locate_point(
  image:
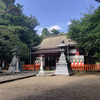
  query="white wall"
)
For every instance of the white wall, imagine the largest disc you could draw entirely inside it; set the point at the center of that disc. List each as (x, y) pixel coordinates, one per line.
(72, 50)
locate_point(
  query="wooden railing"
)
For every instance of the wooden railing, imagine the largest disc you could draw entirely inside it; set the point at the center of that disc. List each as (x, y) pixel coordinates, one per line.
(26, 67)
(86, 67)
(31, 67)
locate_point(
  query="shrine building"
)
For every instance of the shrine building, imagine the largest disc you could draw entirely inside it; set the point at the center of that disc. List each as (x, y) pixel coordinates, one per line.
(49, 48)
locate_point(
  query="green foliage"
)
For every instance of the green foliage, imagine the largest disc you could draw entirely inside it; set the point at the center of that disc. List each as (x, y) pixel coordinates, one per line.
(2, 8)
(8, 2)
(16, 29)
(98, 1)
(55, 32)
(45, 32)
(86, 32)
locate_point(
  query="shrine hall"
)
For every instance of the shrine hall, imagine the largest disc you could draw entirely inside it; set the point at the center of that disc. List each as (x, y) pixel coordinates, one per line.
(51, 52)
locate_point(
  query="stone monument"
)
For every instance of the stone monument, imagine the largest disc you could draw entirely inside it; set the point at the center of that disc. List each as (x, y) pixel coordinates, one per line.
(15, 65)
(62, 67)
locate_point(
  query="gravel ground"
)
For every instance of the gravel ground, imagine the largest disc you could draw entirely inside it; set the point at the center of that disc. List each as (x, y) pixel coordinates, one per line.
(77, 87)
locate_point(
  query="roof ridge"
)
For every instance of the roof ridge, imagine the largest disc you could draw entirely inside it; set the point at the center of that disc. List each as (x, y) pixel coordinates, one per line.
(54, 36)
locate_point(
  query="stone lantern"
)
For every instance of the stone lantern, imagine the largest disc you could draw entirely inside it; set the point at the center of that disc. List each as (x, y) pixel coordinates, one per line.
(15, 65)
(62, 67)
(41, 72)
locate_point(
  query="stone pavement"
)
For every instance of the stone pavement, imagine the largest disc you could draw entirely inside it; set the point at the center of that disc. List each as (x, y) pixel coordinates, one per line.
(4, 77)
(26, 74)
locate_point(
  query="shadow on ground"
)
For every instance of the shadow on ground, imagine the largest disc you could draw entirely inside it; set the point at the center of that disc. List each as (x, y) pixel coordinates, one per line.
(83, 90)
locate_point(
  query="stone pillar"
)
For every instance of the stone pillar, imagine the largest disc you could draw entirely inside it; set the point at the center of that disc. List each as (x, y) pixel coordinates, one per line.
(41, 63)
(41, 72)
(17, 67)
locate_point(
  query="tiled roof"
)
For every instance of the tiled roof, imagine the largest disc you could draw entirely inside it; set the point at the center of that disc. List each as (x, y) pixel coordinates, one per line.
(46, 51)
(53, 41)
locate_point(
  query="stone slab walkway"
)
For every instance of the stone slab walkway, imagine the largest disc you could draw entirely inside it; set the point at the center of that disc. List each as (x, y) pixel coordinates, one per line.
(25, 74)
(7, 78)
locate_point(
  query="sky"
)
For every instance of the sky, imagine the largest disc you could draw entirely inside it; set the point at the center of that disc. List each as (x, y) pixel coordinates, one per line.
(55, 13)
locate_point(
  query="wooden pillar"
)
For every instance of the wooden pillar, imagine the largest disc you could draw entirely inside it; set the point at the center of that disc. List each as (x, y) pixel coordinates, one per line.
(77, 51)
(56, 61)
(34, 63)
(68, 52)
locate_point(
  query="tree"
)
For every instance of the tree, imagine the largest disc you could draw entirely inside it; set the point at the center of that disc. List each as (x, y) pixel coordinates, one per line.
(8, 2)
(16, 29)
(86, 32)
(45, 32)
(97, 1)
(55, 32)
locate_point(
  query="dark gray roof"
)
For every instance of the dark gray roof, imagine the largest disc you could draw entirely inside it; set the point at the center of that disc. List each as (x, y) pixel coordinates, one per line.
(53, 42)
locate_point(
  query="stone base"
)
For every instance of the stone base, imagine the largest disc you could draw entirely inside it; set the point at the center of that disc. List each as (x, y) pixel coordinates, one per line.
(62, 69)
(41, 73)
(20, 67)
(11, 70)
(17, 71)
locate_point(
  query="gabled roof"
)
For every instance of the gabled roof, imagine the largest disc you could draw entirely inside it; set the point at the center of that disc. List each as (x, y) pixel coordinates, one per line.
(46, 51)
(53, 42)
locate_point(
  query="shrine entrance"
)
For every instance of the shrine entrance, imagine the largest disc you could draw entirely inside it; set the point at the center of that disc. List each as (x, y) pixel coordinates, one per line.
(50, 62)
(50, 58)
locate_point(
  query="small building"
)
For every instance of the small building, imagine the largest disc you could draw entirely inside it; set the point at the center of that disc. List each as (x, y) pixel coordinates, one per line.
(49, 48)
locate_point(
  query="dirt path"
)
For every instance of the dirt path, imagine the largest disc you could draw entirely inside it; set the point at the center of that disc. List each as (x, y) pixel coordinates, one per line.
(53, 88)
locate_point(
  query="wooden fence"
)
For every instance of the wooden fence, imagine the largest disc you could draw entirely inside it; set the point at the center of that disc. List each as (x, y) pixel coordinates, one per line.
(87, 67)
(31, 67)
(26, 67)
